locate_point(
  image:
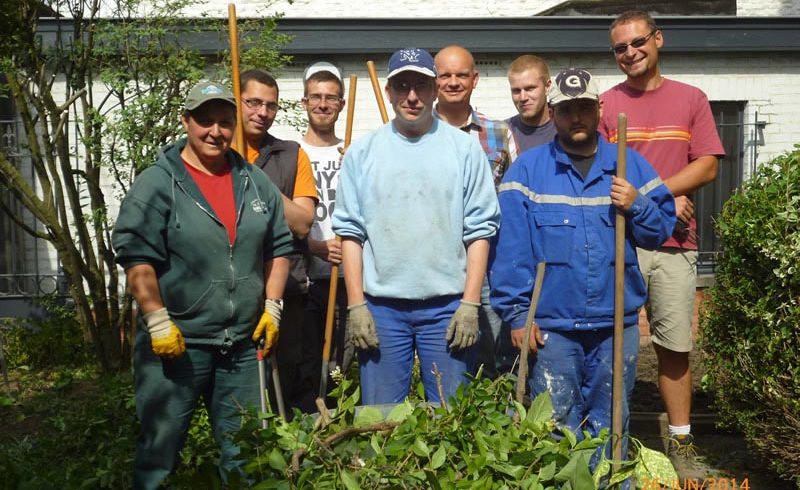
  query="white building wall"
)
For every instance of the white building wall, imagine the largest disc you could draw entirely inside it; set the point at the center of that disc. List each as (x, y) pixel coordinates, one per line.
(766, 83)
(440, 9)
(382, 8)
(759, 8)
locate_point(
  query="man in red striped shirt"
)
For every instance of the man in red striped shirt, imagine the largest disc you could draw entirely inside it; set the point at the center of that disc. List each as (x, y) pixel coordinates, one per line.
(671, 124)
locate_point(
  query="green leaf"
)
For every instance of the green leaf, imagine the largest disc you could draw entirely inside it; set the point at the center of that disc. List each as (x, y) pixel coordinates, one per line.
(349, 480)
(548, 472)
(367, 415)
(276, 460)
(420, 448)
(601, 471)
(375, 444)
(576, 473)
(438, 458)
(541, 410)
(513, 471)
(570, 436)
(430, 476)
(654, 466)
(400, 412)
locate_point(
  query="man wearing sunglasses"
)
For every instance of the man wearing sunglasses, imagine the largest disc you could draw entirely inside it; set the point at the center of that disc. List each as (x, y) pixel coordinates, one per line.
(670, 123)
(289, 168)
(323, 100)
(415, 207)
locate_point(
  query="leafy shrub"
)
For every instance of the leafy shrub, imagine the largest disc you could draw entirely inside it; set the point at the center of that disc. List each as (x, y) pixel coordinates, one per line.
(750, 334)
(75, 428)
(472, 444)
(54, 340)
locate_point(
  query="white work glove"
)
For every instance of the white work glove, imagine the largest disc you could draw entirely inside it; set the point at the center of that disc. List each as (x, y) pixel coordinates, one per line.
(362, 326)
(463, 328)
(166, 339)
(269, 325)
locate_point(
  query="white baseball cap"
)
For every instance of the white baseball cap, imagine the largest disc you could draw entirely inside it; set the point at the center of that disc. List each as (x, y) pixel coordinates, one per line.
(322, 66)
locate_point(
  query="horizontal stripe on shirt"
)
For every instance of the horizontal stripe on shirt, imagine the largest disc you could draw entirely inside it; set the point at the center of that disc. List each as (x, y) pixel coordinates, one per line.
(571, 200)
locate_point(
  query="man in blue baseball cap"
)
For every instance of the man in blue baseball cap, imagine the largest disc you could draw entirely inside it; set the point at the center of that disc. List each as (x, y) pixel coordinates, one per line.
(416, 208)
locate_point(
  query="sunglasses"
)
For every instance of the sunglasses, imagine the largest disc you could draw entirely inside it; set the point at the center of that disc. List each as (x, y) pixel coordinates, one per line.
(636, 43)
(403, 87)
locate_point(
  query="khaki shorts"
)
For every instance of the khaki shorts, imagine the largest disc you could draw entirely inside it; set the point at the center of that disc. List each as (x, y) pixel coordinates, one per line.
(670, 275)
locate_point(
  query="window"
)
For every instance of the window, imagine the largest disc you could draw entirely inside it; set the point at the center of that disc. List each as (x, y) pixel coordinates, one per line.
(729, 116)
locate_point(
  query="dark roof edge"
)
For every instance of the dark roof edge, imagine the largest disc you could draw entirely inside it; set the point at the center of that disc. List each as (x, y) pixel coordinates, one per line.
(560, 34)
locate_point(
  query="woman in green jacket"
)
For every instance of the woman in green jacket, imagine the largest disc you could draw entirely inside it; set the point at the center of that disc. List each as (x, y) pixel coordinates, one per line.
(201, 236)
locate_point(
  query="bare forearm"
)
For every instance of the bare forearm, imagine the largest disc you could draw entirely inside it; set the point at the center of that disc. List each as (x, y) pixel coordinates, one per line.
(318, 248)
(477, 256)
(352, 258)
(275, 274)
(299, 214)
(143, 284)
(694, 176)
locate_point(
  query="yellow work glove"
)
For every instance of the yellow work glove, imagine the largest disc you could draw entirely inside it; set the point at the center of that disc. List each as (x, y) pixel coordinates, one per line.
(165, 337)
(463, 328)
(269, 325)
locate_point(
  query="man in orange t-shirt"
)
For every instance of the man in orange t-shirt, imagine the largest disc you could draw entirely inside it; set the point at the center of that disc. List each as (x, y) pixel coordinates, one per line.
(289, 168)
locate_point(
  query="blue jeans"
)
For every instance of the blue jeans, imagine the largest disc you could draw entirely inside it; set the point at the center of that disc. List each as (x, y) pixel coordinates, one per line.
(168, 391)
(576, 368)
(404, 326)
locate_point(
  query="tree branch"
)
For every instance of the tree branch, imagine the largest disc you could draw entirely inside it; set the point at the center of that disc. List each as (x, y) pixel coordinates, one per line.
(349, 431)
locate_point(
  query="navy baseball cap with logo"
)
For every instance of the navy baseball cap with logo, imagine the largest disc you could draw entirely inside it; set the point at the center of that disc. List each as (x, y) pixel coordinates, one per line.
(571, 84)
(207, 91)
(411, 59)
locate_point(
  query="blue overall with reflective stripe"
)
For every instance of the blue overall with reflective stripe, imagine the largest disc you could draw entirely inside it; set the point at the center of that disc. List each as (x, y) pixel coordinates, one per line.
(551, 213)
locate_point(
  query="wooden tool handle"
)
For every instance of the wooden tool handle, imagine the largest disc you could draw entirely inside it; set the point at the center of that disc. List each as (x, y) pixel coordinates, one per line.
(373, 76)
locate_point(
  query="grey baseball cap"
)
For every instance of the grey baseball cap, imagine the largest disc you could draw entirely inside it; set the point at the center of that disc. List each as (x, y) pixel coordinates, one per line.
(207, 91)
(573, 83)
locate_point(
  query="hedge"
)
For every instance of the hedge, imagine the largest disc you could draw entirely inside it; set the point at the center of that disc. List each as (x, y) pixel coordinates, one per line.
(749, 329)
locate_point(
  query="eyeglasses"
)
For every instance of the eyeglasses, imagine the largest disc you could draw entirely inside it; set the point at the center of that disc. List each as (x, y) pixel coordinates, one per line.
(315, 99)
(404, 87)
(636, 43)
(258, 104)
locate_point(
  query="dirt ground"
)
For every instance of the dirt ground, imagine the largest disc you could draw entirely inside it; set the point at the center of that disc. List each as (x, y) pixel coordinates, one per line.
(725, 451)
(646, 397)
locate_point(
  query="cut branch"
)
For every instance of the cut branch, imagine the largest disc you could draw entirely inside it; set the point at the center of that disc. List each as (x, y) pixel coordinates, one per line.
(332, 439)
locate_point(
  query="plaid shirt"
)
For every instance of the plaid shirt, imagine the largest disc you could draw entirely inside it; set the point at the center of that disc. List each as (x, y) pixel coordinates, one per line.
(495, 138)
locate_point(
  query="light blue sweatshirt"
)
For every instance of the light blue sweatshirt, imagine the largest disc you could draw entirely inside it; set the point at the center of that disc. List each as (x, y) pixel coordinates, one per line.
(415, 204)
